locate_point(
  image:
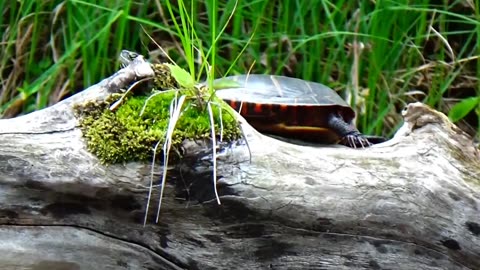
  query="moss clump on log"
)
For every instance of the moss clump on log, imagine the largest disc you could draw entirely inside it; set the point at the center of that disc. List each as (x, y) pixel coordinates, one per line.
(126, 134)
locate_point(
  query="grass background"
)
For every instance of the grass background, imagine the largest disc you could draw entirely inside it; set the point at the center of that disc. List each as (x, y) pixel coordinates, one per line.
(379, 55)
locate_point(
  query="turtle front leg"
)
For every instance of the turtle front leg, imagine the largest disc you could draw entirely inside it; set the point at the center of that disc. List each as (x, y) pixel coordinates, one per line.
(348, 133)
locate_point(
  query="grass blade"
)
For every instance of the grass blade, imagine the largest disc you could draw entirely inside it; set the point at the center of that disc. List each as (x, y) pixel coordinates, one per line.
(150, 190)
(176, 109)
(214, 152)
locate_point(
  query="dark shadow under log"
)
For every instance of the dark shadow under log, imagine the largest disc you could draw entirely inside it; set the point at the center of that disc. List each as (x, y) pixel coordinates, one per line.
(410, 203)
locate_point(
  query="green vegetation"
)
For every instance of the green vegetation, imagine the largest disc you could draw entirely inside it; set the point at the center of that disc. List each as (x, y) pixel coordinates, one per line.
(379, 54)
(132, 131)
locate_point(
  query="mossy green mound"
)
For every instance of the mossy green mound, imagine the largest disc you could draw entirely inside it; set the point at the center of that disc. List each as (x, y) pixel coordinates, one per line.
(127, 135)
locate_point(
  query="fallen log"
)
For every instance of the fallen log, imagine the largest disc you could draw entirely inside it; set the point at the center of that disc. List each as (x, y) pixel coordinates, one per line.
(410, 203)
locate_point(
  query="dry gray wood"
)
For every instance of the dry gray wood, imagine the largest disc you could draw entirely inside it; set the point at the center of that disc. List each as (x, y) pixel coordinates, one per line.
(410, 203)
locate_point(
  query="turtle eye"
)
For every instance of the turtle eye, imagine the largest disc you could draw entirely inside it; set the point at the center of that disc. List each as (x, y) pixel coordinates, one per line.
(132, 55)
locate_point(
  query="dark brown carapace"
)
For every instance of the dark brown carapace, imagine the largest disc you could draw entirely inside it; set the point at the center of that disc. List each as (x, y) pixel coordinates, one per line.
(295, 109)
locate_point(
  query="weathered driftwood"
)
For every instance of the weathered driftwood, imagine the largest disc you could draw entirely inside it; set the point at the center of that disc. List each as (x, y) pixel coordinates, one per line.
(410, 203)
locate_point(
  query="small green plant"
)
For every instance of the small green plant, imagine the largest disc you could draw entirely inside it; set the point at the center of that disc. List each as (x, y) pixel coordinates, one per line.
(188, 82)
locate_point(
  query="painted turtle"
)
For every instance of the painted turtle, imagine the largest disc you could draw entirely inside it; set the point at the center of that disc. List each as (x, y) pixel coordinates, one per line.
(293, 108)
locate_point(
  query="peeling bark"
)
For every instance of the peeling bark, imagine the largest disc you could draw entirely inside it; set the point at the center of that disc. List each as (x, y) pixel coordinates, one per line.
(410, 203)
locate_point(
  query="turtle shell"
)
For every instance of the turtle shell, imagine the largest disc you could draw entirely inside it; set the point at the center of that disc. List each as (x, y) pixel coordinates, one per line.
(286, 106)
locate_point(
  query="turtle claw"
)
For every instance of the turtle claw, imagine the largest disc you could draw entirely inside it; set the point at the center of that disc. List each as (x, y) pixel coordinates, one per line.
(355, 140)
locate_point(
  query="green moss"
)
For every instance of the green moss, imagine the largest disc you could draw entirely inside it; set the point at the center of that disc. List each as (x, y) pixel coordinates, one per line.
(125, 135)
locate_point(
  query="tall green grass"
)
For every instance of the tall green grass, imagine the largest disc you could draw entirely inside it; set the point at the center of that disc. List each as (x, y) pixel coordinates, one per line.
(380, 55)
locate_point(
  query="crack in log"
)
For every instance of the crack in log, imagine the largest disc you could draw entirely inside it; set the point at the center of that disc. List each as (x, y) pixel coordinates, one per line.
(165, 258)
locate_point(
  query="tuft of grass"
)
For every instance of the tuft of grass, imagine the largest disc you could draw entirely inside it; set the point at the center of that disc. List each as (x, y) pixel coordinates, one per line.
(204, 95)
(52, 49)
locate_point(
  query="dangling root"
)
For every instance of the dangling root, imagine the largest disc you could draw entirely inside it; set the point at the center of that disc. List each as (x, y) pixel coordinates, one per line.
(214, 152)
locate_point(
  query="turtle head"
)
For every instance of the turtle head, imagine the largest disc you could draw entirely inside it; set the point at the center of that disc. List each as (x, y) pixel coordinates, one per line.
(126, 57)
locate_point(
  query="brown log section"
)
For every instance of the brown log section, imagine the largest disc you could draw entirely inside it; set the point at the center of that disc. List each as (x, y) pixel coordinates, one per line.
(410, 203)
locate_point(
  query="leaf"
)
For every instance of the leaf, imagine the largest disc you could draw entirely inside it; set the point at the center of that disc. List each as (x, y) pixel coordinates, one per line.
(225, 84)
(181, 76)
(461, 109)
